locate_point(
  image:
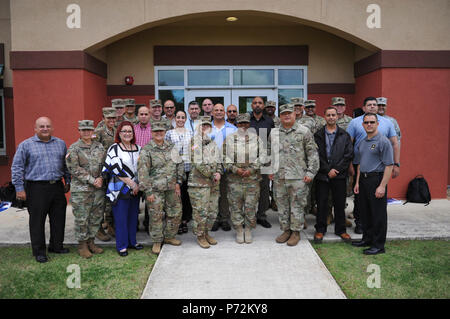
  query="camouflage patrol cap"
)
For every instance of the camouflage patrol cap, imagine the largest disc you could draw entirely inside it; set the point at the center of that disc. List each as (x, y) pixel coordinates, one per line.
(205, 120)
(154, 103)
(85, 125)
(286, 108)
(310, 103)
(243, 118)
(117, 103)
(158, 127)
(297, 101)
(381, 100)
(271, 104)
(109, 112)
(337, 101)
(129, 102)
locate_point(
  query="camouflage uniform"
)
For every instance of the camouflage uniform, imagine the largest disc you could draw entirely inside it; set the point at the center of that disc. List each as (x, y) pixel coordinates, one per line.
(106, 137)
(159, 169)
(203, 191)
(116, 103)
(166, 123)
(308, 122)
(84, 163)
(298, 157)
(245, 190)
(134, 120)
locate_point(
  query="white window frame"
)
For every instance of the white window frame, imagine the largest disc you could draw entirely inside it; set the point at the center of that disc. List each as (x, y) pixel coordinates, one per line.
(231, 69)
(3, 150)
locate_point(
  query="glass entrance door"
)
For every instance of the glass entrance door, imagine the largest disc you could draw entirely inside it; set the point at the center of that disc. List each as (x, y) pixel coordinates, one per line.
(216, 96)
(243, 98)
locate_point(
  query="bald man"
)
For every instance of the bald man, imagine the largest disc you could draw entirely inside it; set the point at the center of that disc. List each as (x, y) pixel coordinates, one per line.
(37, 171)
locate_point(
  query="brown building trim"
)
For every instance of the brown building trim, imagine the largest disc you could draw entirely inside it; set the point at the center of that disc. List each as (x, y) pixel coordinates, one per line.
(331, 88)
(402, 59)
(231, 55)
(35, 60)
(8, 93)
(130, 90)
(4, 160)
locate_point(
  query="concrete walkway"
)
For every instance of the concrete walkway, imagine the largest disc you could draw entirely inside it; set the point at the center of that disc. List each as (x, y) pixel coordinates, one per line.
(263, 269)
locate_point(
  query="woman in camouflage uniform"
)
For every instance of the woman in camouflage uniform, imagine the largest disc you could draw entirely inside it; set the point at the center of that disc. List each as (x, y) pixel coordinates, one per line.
(203, 182)
(84, 160)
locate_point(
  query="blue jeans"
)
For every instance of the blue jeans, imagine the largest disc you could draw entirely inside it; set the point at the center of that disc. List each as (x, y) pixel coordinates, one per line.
(125, 219)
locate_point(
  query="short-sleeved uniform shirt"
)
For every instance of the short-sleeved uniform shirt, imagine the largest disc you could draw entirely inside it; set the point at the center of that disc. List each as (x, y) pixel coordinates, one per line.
(374, 154)
(357, 132)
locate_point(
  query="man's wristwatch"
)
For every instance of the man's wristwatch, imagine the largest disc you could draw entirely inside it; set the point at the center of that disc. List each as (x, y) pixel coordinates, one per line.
(397, 164)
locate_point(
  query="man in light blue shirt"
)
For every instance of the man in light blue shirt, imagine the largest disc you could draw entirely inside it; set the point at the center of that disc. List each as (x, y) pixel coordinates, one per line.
(220, 130)
(193, 120)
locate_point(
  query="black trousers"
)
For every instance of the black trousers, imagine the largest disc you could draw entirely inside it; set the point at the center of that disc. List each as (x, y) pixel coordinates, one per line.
(373, 211)
(356, 204)
(186, 201)
(338, 188)
(44, 198)
(264, 197)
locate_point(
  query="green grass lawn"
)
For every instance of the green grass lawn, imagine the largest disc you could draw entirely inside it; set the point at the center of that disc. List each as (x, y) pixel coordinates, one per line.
(408, 269)
(103, 276)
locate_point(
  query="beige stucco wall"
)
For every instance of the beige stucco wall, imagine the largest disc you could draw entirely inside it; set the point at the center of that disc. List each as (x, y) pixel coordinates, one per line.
(331, 58)
(406, 24)
(5, 37)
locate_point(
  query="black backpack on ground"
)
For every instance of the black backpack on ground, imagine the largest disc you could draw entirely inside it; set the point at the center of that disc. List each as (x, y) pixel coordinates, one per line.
(8, 194)
(418, 191)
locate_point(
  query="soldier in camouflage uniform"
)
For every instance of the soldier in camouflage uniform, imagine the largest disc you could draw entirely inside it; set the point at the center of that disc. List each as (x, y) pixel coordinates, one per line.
(310, 109)
(242, 164)
(270, 110)
(156, 118)
(299, 107)
(84, 161)
(105, 136)
(203, 182)
(130, 111)
(298, 162)
(119, 106)
(382, 105)
(161, 173)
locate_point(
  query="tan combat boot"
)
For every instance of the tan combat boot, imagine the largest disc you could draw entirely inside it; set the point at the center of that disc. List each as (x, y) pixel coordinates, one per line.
(156, 248)
(83, 249)
(209, 239)
(294, 239)
(248, 235)
(93, 248)
(202, 241)
(111, 232)
(172, 241)
(102, 235)
(283, 237)
(239, 234)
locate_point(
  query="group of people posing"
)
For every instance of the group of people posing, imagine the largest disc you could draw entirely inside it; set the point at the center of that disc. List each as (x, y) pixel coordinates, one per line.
(211, 169)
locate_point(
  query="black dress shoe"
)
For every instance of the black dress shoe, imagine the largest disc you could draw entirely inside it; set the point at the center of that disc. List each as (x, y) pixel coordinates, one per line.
(58, 251)
(137, 247)
(225, 226)
(360, 243)
(180, 229)
(358, 229)
(373, 251)
(264, 223)
(215, 226)
(123, 253)
(185, 228)
(41, 259)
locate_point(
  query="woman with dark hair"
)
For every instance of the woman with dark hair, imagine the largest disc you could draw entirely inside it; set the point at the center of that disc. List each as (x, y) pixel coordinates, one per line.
(181, 138)
(121, 168)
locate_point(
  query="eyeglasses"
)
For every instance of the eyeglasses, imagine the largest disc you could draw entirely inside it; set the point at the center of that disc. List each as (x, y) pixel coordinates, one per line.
(127, 132)
(369, 122)
(169, 107)
(232, 111)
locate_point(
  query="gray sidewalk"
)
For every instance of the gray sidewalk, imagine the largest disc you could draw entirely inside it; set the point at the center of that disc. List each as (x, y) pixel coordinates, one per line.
(263, 269)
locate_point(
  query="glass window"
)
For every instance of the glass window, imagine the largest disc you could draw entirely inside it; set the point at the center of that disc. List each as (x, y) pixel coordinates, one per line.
(290, 77)
(209, 77)
(285, 95)
(253, 77)
(171, 78)
(177, 96)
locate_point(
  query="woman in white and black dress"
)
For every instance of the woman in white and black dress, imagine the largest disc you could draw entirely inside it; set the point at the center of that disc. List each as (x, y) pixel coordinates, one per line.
(121, 169)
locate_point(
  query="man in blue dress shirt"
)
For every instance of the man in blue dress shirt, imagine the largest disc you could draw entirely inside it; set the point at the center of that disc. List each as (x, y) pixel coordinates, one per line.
(37, 169)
